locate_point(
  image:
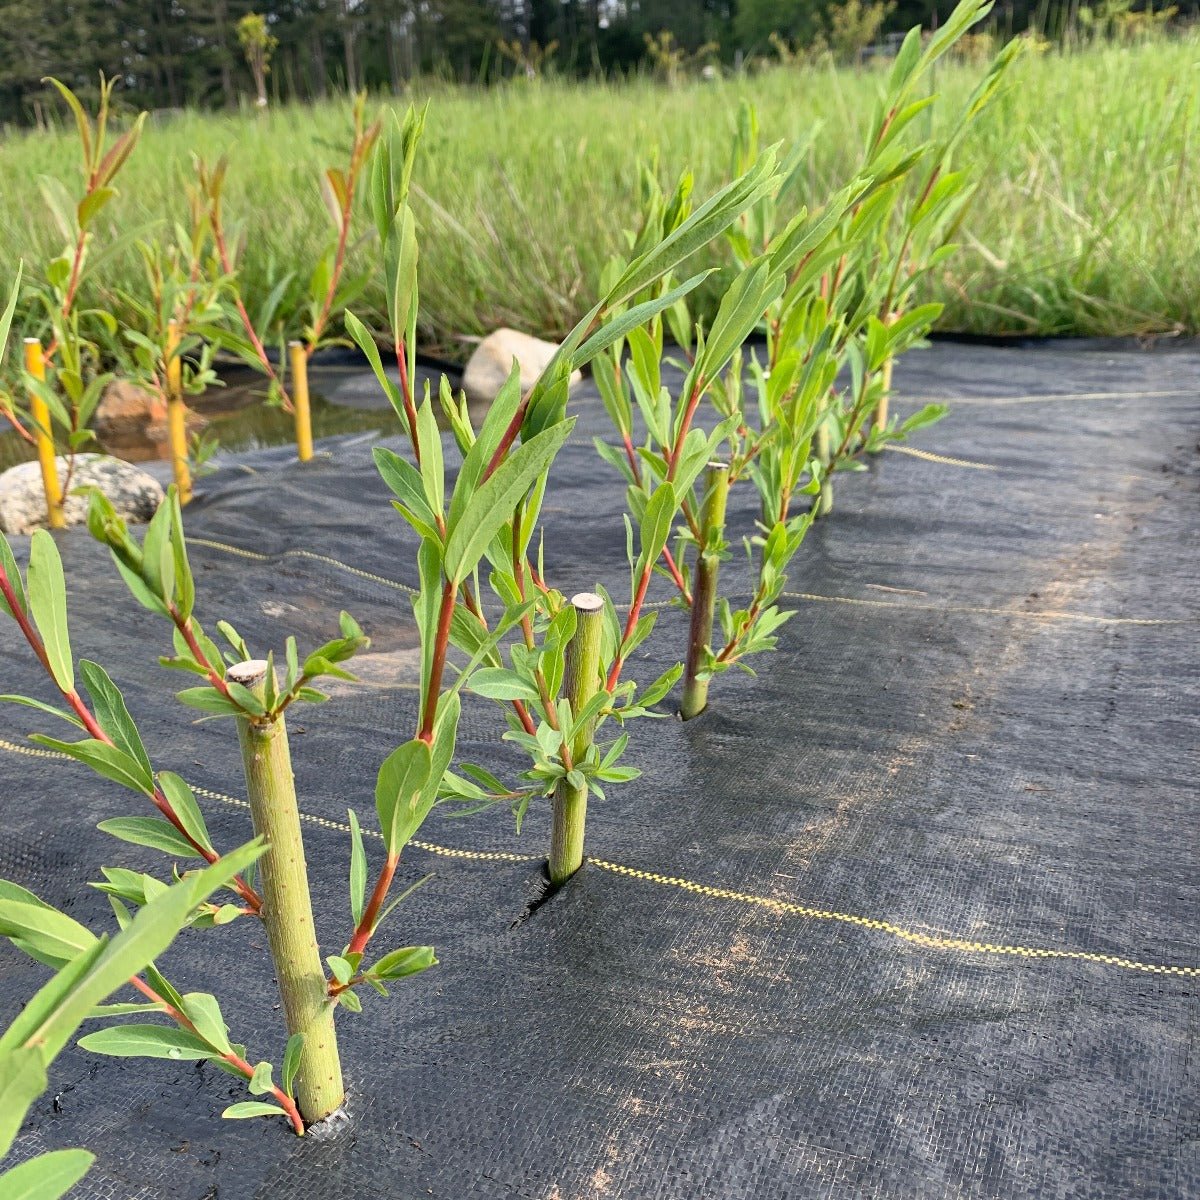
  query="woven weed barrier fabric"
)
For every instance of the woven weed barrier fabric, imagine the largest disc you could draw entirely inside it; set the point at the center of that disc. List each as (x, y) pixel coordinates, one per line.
(915, 913)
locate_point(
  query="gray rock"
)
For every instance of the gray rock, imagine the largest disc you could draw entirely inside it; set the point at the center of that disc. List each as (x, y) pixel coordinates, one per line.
(492, 362)
(134, 494)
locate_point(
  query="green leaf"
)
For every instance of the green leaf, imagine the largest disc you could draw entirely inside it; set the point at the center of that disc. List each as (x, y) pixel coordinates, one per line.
(209, 700)
(158, 557)
(249, 702)
(501, 412)
(741, 309)
(14, 891)
(928, 415)
(366, 343)
(22, 1081)
(109, 761)
(398, 793)
(184, 583)
(48, 605)
(358, 869)
(656, 524)
(147, 1041)
(409, 961)
(710, 219)
(112, 714)
(252, 1108)
(291, 1061)
(433, 470)
(634, 318)
(400, 254)
(183, 801)
(150, 831)
(10, 308)
(44, 933)
(46, 1177)
(91, 204)
(341, 970)
(138, 589)
(202, 1009)
(124, 1010)
(30, 702)
(493, 503)
(405, 482)
(261, 1082)
(8, 565)
(497, 683)
(57, 1010)
(83, 124)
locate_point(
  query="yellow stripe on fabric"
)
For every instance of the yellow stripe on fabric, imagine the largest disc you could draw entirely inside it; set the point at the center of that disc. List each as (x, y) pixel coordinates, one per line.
(1160, 394)
(927, 941)
(1032, 614)
(257, 556)
(945, 460)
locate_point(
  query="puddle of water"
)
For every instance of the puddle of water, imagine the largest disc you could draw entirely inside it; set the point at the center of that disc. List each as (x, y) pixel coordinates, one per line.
(344, 400)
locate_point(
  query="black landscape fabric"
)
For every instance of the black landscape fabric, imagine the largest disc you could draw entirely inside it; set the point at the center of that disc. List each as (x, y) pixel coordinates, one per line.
(914, 913)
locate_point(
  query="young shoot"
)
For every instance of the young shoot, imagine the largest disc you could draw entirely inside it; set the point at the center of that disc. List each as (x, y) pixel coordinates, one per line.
(328, 289)
(114, 750)
(88, 969)
(485, 523)
(62, 379)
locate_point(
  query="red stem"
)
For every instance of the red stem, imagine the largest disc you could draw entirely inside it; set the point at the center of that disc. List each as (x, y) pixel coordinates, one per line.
(635, 611)
(676, 575)
(72, 284)
(689, 414)
(73, 698)
(631, 454)
(338, 264)
(12, 419)
(410, 408)
(184, 625)
(362, 933)
(668, 557)
(438, 666)
(506, 441)
(234, 1060)
(247, 324)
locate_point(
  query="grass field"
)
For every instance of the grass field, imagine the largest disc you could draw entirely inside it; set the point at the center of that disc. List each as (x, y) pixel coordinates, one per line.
(1085, 222)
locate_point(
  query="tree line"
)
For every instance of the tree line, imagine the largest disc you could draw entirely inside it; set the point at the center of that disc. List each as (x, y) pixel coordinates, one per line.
(177, 53)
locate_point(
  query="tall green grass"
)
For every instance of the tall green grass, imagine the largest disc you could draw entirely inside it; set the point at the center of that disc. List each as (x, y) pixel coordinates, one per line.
(1085, 222)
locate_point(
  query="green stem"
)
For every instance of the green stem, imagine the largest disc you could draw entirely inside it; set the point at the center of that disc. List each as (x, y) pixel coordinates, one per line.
(825, 458)
(581, 681)
(287, 904)
(881, 409)
(704, 599)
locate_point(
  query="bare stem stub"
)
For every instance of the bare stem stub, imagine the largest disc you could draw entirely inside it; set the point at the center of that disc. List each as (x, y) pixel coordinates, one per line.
(287, 905)
(824, 448)
(581, 681)
(704, 593)
(881, 410)
(249, 673)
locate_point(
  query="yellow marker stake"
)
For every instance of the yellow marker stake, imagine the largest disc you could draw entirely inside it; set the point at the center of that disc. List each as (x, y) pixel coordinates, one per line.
(35, 364)
(300, 400)
(177, 416)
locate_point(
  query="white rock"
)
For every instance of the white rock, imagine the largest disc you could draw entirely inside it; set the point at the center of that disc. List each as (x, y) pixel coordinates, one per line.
(490, 365)
(134, 494)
